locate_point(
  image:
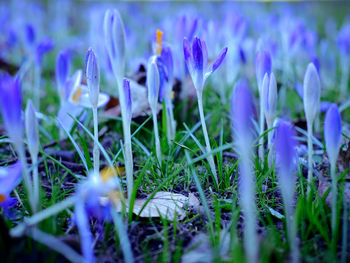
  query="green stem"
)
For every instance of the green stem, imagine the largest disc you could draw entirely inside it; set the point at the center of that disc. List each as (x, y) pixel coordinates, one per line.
(206, 138)
(156, 135)
(262, 122)
(334, 200)
(96, 151)
(36, 192)
(310, 153)
(128, 159)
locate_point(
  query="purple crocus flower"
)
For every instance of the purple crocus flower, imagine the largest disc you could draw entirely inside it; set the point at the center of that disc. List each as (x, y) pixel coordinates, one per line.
(286, 165)
(332, 132)
(163, 78)
(343, 39)
(62, 73)
(285, 148)
(42, 48)
(128, 101)
(167, 59)
(11, 107)
(242, 110)
(9, 179)
(29, 34)
(115, 42)
(91, 201)
(196, 58)
(262, 66)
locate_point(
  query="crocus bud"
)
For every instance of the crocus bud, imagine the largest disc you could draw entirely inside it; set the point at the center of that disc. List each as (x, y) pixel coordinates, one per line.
(32, 131)
(332, 132)
(128, 102)
(312, 88)
(43, 47)
(62, 71)
(269, 88)
(92, 73)
(285, 147)
(11, 107)
(115, 41)
(152, 81)
(242, 112)
(262, 66)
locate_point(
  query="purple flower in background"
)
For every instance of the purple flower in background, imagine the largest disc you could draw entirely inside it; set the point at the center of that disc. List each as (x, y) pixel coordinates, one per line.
(115, 42)
(128, 101)
(262, 66)
(325, 105)
(185, 28)
(11, 106)
(42, 48)
(343, 39)
(9, 179)
(196, 58)
(30, 34)
(332, 132)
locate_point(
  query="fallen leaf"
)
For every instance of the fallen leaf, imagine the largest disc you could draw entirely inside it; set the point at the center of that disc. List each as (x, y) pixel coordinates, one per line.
(164, 204)
(139, 102)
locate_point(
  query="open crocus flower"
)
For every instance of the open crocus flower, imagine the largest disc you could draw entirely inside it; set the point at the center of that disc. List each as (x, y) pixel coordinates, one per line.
(78, 97)
(9, 178)
(196, 58)
(92, 201)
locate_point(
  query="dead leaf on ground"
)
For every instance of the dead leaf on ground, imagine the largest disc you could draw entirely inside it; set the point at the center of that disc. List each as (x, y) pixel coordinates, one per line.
(163, 204)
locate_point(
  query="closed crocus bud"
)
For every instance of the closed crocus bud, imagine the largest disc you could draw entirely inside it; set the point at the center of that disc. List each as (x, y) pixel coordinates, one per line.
(32, 131)
(312, 89)
(285, 147)
(152, 81)
(115, 41)
(262, 66)
(128, 102)
(11, 107)
(92, 73)
(269, 87)
(62, 72)
(332, 132)
(242, 111)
